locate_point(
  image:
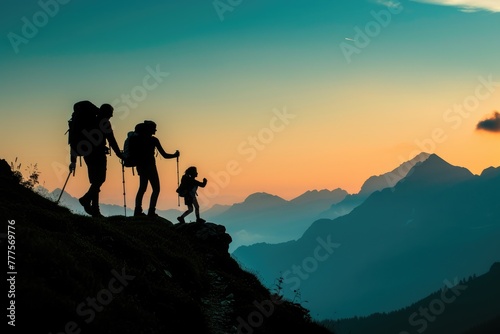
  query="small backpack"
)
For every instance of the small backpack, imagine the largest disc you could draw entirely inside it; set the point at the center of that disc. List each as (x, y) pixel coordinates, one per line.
(129, 151)
(183, 189)
(83, 121)
(131, 146)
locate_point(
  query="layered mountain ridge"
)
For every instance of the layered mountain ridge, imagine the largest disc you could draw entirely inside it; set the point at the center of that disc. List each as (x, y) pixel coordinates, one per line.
(438, 222)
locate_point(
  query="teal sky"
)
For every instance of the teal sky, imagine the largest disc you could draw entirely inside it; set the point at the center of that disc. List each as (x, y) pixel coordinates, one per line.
(229, 69)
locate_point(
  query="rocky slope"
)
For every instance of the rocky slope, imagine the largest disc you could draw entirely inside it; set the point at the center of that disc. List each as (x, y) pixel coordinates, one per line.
(76, 274)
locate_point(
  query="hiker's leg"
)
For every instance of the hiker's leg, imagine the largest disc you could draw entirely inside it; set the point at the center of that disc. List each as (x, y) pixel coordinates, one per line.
(95, 189)
(86, 199)
(196, 207)
(90, 172)
(143, 185)
(188, 211)
(197, 211)
(187, 201)
(97, 175)
(86, 196)
(155, 185)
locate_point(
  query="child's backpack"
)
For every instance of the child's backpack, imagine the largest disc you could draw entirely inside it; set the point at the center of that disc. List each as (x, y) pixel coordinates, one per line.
(83, 121)
(183, 189)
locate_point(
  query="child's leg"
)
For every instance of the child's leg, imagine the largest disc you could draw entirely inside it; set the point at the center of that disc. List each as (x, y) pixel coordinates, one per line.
(197, 211)
(188, 211)
(196, 208)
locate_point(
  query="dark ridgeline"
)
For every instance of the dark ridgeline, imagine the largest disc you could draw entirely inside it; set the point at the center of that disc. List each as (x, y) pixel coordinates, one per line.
(471, 307)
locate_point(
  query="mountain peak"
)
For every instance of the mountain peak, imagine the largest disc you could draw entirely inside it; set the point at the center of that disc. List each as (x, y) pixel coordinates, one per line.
(259, 197)
(332, 196)
(434, 161)
(391, 178)
(491, 172)
(435, 170)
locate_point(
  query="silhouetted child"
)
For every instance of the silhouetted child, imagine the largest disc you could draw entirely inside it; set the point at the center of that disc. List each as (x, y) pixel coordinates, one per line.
(188, 187)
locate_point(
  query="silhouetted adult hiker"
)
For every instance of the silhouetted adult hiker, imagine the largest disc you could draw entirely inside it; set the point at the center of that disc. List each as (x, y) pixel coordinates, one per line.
(187, 189)
(145, 145)
(95, 158)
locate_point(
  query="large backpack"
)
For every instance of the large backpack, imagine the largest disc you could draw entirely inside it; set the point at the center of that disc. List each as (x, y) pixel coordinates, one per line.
(83, 121)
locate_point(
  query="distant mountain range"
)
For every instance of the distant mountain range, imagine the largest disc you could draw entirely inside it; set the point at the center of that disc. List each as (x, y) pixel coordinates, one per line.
(437, 223)
(264, 217)
(260, 217)
(268, 218)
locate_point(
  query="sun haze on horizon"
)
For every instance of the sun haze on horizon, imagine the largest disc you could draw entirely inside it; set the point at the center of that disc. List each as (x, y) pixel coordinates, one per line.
(262, 97)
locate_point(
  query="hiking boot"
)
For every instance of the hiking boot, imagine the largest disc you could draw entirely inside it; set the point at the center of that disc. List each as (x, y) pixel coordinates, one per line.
(97, 214)
(153, 215)
(200, 220)
(138, 213)
(86, 205)
(181, 220)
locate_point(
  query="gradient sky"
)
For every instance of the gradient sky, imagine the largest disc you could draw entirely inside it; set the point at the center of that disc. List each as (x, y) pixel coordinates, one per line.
(275, 96)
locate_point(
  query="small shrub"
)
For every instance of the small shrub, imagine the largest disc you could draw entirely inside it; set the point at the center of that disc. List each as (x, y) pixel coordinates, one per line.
(33, 174)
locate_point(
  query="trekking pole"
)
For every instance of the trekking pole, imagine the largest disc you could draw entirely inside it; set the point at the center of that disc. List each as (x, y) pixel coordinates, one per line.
(124, 196)
(178, 197)
(64, 187)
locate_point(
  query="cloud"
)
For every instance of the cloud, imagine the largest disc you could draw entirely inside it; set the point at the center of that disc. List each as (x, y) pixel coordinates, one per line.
(491, 124)
(468, 6)
(248, 237)
(390, 3)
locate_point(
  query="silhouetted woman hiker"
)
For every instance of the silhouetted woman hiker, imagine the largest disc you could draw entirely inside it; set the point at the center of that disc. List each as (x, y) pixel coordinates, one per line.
(189, 185)
(146, 166)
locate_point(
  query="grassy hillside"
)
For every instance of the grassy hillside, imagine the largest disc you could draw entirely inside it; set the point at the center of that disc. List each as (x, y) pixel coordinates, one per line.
(76, 274)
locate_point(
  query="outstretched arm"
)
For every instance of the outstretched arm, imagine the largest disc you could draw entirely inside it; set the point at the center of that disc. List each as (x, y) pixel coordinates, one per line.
(163, 153)
(201, 184)
(111, 139)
